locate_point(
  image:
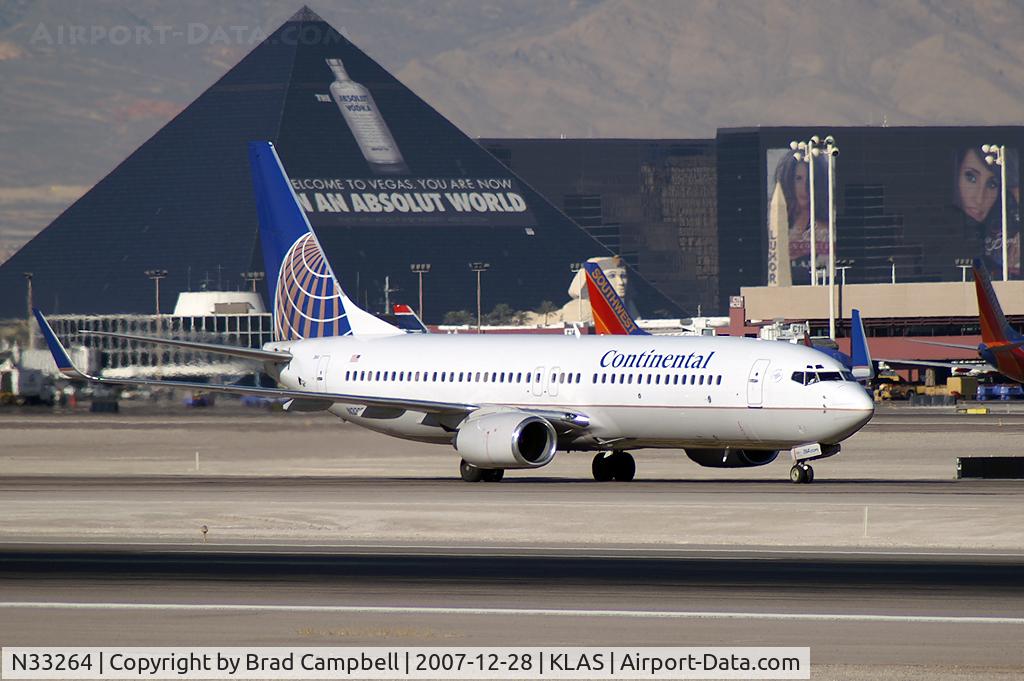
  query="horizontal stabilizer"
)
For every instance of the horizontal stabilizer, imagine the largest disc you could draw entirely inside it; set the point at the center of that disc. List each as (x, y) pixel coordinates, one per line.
(958, 346)
(232, 351)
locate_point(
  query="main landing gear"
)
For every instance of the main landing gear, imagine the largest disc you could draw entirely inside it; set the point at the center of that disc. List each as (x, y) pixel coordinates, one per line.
(471, 473)
(616, 465)
(801, 473)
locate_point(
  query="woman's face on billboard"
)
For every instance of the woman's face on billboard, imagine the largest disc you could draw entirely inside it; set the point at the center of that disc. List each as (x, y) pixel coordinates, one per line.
(978, 186)
(800, 186)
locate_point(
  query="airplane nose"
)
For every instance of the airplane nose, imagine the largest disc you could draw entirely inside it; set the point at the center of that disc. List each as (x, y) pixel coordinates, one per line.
(852, 401)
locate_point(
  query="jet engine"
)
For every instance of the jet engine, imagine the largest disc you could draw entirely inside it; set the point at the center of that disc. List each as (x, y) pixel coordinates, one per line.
(510, 439)
(732, 458)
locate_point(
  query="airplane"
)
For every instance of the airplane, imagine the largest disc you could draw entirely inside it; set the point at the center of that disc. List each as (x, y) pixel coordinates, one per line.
(1000, 346)
(611, 318)
(512, 402)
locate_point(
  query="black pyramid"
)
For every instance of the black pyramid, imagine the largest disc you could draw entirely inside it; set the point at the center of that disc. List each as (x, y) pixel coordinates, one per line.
(385, 179)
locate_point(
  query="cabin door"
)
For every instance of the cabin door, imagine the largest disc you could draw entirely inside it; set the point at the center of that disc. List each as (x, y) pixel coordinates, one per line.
(321, 372)
(755, 382)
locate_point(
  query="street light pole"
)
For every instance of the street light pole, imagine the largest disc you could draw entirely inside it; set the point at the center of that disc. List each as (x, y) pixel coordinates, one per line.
(807, 152)
(479, 268)
(420, 269)
(996, 155)
(28, 305)
(831, 151)
(964, 264)
(575, 269)
(156, 276)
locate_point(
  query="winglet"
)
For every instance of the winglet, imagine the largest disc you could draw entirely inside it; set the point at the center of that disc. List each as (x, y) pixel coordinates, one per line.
(60, 355)
(610, 315)
(860, 353)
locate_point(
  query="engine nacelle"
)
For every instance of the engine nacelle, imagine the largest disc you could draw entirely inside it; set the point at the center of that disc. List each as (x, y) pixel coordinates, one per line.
(510, 439)
(732, 458)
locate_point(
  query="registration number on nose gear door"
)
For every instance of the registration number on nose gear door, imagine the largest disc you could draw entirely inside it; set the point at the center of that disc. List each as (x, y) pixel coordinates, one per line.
(805, 452)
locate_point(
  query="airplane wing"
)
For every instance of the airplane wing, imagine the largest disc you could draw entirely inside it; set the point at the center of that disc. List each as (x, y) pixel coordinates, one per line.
(569, 420)
(911, 363)
(280, 356)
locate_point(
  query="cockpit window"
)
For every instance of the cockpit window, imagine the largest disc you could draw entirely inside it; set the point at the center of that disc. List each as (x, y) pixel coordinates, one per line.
(812, 377)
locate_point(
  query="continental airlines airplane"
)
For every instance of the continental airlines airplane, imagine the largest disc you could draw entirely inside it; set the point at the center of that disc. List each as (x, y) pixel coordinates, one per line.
(513, 402)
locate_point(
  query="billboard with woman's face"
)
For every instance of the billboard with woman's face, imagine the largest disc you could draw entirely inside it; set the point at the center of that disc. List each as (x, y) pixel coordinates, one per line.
(897, 214)
(977, 192)
(791, 232)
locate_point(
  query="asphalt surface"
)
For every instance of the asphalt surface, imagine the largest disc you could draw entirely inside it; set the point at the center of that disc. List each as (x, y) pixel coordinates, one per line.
(321, 534)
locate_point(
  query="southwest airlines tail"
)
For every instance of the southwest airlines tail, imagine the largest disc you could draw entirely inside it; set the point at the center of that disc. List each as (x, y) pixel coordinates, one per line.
(307, 300)
(610, 315)
(860, 354)
(994, 327)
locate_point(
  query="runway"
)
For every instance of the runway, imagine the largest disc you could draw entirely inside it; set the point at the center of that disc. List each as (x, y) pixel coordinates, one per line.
(862, 614)
(321, 534)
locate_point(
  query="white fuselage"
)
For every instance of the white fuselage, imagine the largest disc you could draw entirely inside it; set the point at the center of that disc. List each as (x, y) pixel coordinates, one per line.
(637, 391)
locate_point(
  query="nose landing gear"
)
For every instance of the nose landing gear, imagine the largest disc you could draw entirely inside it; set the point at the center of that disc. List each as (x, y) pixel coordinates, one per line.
(615, 465)
(801, 473)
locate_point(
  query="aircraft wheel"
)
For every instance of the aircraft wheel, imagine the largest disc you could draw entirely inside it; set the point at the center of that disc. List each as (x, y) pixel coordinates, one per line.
(471, 473)
(494, 474)
(797, 474)
(603, 467)
(624, 466)
(809, 472)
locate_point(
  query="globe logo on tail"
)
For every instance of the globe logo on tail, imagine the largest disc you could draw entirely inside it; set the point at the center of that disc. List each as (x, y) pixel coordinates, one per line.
(308, 301)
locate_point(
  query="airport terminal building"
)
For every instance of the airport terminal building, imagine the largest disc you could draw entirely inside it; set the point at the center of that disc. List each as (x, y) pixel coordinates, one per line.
(387, 182)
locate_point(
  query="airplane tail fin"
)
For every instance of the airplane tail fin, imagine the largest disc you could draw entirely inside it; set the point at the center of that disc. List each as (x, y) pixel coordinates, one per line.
(610, 315)
(408, 320)
(860, 353)
(306, 298)
(994, 327)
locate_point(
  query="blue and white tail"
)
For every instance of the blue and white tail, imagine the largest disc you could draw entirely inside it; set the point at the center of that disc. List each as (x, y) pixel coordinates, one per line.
(860, 353)
(307, 300)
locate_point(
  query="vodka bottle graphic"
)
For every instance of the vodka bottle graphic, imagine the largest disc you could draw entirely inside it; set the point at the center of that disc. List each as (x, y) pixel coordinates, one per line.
(364, 120)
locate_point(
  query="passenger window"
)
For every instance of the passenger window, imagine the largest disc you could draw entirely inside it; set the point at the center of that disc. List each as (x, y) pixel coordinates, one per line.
(461, 376)
(485, 377)
(629, 379)
(561, 378)
(719, 380)
(648, 379)
(604, 377)
(595, 378)
(501, 377)
(701, 380)
(577, 377)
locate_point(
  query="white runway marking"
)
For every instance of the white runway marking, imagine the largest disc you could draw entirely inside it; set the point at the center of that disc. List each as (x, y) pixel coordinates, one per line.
(542, 612)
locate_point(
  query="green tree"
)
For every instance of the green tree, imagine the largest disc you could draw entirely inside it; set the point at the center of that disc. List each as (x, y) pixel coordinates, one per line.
(458, 318)
(545, 308)
(502, 314)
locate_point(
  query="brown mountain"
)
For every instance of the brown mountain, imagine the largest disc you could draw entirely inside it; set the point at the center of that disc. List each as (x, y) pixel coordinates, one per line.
(72, 109)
